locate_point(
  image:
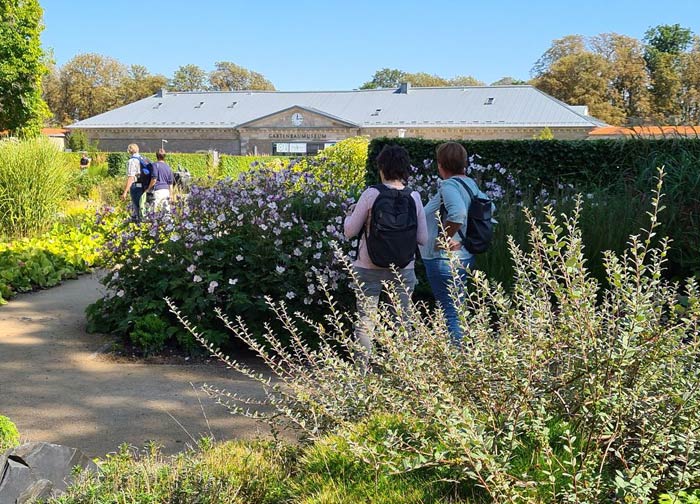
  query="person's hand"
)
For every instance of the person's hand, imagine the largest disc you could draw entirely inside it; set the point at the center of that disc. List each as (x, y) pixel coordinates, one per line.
(454, 245)
(124, 196)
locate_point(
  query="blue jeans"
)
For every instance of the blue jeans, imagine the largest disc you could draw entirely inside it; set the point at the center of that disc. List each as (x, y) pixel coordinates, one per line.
(440, 279)
(136, 192)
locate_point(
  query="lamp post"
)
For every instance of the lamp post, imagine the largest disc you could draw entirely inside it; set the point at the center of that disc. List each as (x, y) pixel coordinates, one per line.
(163, 142)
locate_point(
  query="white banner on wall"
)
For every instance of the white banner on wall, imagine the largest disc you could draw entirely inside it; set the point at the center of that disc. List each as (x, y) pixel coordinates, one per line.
(299, 148)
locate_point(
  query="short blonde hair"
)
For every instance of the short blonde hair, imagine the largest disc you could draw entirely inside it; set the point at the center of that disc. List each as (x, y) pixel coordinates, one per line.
(133, 149)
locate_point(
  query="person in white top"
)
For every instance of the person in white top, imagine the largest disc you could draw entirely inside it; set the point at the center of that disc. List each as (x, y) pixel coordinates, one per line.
(133, 186)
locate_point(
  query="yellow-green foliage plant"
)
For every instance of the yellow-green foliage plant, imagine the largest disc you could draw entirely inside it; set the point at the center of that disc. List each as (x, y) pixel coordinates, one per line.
(341, 165)
(9, 435)
(214, 473)
(565, 389)
(34, 180)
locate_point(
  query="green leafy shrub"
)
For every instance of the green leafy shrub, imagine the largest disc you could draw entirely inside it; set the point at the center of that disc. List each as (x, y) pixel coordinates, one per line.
(9, 435)
(116, 164)
(595, 385)
(34, 180)
(150, 333)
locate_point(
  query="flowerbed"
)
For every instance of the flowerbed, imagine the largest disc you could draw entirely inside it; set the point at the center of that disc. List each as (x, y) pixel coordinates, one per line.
(270, 233)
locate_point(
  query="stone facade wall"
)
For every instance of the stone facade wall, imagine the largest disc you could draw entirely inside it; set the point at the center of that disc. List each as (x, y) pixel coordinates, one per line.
(225, 141)
(485, 133)
(316, 129)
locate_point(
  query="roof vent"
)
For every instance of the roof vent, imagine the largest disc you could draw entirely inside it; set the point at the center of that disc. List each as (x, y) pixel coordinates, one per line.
(404, 88)
(200, 105)
(161, 93)
(233, 104)
(489, 101)
(158, 105)
(376, 112)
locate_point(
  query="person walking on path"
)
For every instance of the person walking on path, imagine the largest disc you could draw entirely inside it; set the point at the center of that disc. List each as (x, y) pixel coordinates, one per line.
(446, 217)
(394, 164)
(162, 180)
(133, 186)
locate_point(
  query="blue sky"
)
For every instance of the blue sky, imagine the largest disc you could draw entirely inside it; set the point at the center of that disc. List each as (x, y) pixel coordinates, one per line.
(333, 45)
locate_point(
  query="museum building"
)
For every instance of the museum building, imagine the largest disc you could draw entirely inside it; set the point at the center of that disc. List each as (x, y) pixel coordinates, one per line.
(279, 122)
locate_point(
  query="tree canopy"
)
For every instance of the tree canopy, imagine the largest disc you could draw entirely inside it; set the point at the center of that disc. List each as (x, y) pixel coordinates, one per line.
(22, 109)
(624, 80)
(230, 77)
(392, 77)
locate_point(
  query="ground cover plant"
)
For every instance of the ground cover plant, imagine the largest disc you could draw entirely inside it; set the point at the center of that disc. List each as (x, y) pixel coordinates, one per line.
(565, 389)
(67, 250)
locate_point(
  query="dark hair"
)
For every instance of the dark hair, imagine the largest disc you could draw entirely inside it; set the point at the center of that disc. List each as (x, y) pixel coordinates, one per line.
(160, 155)
(452, 156)
(394, 163)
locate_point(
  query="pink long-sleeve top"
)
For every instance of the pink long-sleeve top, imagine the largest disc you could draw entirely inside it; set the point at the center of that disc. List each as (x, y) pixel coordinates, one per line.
(360, 216)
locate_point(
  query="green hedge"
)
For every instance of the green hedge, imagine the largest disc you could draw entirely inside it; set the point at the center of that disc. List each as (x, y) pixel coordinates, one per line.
(199, 165)
(547, 162)
(232, 166)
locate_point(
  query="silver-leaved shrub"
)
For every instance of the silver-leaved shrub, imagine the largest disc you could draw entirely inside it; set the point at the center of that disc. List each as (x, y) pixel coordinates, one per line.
(564, 390)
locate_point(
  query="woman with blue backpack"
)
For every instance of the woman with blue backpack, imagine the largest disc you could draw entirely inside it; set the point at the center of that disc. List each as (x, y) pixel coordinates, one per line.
(459, 220)
(390, 222)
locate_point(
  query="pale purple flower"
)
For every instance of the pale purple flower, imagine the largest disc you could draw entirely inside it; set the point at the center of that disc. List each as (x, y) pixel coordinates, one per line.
(212, 286)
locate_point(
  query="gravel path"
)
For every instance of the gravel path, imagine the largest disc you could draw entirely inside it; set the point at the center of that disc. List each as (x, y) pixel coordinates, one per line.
(57, 386)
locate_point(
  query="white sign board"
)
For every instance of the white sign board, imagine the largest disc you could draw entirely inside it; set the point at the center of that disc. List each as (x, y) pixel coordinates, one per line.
(299, 148)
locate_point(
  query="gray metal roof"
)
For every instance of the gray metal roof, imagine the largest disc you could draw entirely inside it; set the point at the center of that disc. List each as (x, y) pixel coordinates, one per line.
(488, 106)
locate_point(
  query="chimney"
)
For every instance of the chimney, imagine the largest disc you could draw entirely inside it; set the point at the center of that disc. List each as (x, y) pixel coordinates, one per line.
(404, 88)
(161, 93)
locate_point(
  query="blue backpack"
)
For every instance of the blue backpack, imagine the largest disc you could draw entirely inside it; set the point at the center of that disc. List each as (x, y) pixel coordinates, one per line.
(145, 171)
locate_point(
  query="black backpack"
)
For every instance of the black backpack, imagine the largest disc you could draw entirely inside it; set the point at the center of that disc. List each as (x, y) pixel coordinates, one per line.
(145, 171)
(479, 224)
(392, 235)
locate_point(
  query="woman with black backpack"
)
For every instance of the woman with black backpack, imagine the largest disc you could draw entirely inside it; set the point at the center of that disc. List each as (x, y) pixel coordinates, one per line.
(390, 222)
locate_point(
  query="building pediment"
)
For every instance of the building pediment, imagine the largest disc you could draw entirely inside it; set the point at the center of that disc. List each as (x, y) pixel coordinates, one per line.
(297, 117)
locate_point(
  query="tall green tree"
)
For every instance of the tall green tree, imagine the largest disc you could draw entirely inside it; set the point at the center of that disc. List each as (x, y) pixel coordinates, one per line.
(231, 77)
(22, 108)
(629, 80)
(188, 78)
(89, 84)
(385, 78)
(392, 77)
(139, 84)
(664, 49)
